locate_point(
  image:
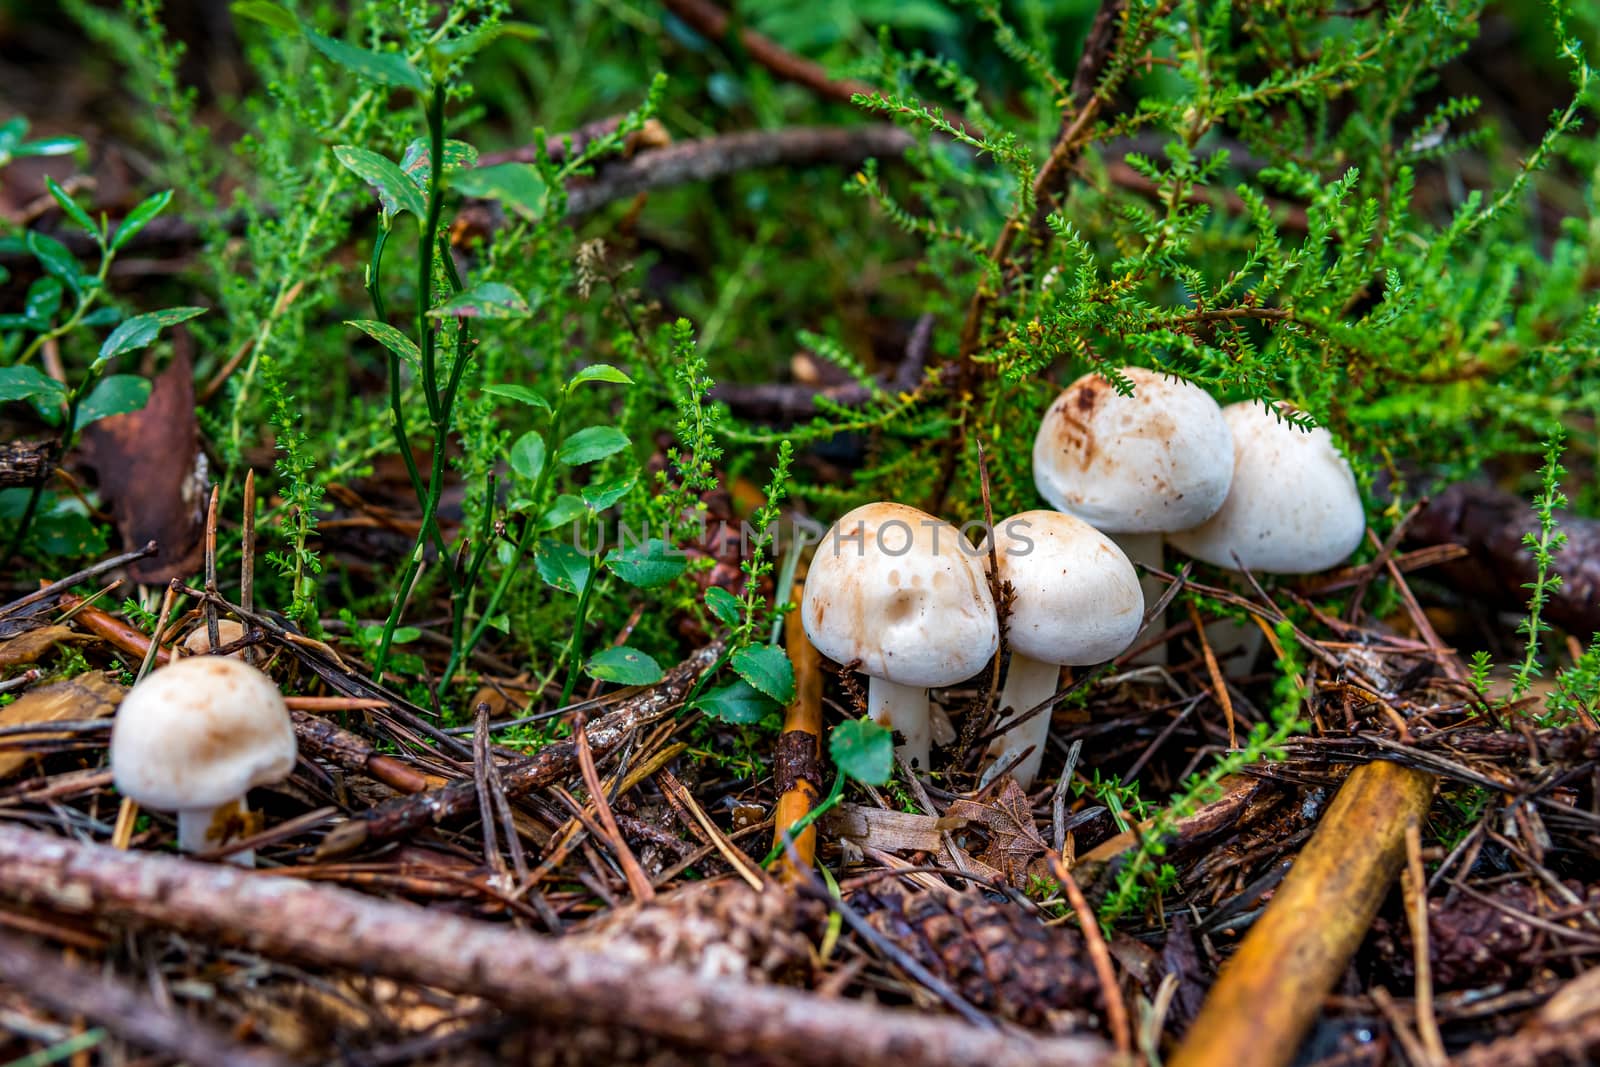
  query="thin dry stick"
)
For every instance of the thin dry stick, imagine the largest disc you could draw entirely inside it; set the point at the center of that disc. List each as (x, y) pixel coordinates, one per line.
(737, 860)
(79, 576)
(247, 556)
(482, 760)
(638, 882)
(210, 606)
(540, 977)
(167, 600)
(1218, 684)
(1099, 955)
(1414, 888)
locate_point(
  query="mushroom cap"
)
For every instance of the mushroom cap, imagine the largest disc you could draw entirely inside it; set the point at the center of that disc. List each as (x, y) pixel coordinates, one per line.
(1156, 461)
(199, 640)
(1294, 507)
(200, 732)
(904, 594)
(1078, 599)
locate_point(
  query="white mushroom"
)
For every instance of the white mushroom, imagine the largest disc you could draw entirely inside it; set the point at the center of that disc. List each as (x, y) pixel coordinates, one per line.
(1136, 467)
(1294, 508)
(194, 737)
(198, 642)
(1077, 602)
(902, 595)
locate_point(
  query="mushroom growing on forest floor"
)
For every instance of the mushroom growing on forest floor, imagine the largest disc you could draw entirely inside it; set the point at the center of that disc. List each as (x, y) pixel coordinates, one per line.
(1135, 467)
(194, 737)
(1293, 508)
(1076, 602)
(228, 631)
(902, 596)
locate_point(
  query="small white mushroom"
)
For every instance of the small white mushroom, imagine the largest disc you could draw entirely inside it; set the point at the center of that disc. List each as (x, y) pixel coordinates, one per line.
(902, 595)
(198, 642)
(194, 737)
(1135, 467)
(1077, 602)
(1294, 508)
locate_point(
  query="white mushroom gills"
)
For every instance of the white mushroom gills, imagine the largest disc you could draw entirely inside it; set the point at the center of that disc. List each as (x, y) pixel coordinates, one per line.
(194, 737)
(902, 595)
(1135, 467)
(1077, 602)
(1293, 508)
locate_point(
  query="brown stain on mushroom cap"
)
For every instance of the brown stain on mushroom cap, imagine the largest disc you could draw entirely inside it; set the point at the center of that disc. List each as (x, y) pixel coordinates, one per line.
(1157, 461)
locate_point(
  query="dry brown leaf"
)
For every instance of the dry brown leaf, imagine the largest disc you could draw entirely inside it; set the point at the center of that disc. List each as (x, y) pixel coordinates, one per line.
(151, 470)
(87, 696)
(1014, 840)
(30, 647)
(891, 831)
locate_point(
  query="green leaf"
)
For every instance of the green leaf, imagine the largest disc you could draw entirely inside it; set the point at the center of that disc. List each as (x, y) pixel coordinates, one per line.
(602, 495)
(477, 40)
(396, 192)
(390, 338)
(599, 372)
(768, 669)
(140, 217)
(49, 146)
(735, 703)
(73, 209)
(55, 258)
(485, 300)
(595, 442)
(140, 330)
(648, 565)
(386, 68)
(567, 508)
(517, 185)
(43, 301)
(117, 395)
(268, 13)
(520, 393)
(457, 154)
(863, 750)
(562, 566)
(23, 383)
(722, 604)
(527, 455)
(625, 666)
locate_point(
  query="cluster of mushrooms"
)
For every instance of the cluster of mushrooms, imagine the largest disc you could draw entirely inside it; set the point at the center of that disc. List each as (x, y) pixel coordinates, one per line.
(905, 598)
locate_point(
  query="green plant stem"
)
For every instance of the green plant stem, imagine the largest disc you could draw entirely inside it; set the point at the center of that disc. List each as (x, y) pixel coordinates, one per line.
(575, 645)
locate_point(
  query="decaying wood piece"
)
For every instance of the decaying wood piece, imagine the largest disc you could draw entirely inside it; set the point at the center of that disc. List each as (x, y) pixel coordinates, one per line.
(1271, 991)
(549, 980)
(797, 766)
(72, 990)
(411, 814)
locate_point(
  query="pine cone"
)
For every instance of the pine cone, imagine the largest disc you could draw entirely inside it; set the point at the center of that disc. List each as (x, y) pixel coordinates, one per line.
(720, 929)
(1471, 942)
(999, 957)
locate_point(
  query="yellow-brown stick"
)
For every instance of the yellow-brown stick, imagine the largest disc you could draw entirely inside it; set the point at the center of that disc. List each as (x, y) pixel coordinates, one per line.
(800, 747)
(1269, 994)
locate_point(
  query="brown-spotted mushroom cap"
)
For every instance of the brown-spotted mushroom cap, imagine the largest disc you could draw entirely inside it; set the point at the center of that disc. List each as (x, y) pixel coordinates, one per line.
(199, 640)
(904, 594)
(200, 733)
(1156, 461)
(1294, 507)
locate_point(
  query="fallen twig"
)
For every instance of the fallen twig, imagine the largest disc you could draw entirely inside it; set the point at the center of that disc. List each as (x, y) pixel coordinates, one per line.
(542, 977)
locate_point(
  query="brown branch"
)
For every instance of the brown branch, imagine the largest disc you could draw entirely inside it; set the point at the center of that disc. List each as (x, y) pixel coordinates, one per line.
(708, 158)
(712, 22)
(407, 815)
(545, 979)
(25, 462)
(69, 990)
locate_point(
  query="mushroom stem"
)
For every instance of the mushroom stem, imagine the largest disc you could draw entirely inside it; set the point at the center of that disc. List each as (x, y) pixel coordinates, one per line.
(903, 708)
(1235, 644)
(1146, 550)
(203, 829)
(1029, 683)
